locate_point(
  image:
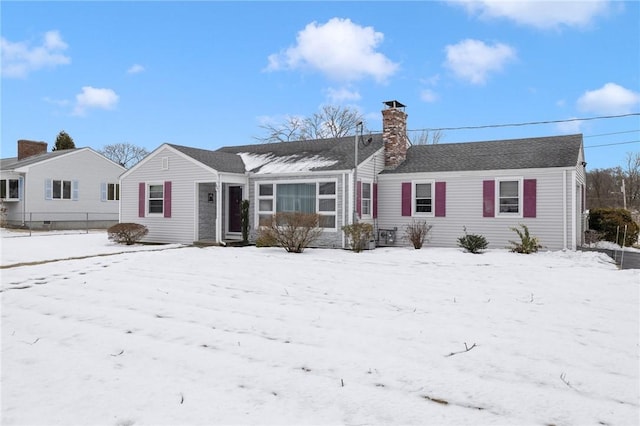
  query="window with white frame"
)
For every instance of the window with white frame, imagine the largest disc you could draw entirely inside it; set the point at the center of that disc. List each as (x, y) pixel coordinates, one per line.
(110, 192)
(305, 197)
(9, 189)
(423, 198)
(155, 196)
(508, 196)
(365, 199)
(61, 189)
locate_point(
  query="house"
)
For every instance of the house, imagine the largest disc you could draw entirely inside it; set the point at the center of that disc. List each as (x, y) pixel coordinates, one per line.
(185, 194)
(64, 189)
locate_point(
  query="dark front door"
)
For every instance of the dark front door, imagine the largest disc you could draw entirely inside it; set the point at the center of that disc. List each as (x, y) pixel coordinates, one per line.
(235, 197)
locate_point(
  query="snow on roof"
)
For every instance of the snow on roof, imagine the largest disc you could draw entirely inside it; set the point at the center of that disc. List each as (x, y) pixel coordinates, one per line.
(270, 163)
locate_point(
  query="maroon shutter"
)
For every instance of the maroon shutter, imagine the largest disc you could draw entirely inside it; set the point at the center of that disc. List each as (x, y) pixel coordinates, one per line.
(529, 198)
(488, 198)
(375, 200)
(167, 199)
(359, 198)
(141, 199)
(441, 199)
(406, 198)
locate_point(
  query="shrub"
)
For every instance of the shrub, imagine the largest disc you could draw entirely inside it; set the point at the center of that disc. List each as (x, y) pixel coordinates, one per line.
(610, 223)
(417, 232)
(472, 243)
(293, 231)
(358, 234)
(127, 233)
(244, 219)
(527, 244)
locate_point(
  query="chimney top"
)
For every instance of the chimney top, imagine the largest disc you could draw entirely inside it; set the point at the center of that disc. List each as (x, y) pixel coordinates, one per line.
(27, 148)
(394, 104)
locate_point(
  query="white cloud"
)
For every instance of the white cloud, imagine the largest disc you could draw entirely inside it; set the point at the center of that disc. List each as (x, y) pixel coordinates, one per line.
(428, 95)
(19, 58)
(93, 98)
(340, 49)
(473, 60)
(609, 99)
(536, 13)
(135, 69)
(341, 95)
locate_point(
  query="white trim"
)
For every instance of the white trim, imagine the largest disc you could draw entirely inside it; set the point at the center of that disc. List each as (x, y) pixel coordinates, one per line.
(564, 210)
(431, 182)
(370, 183)
(520, 181)
(147, 194)
(574, 235)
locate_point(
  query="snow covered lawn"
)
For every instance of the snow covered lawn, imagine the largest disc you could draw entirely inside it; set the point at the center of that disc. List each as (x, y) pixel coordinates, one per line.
(188, 336)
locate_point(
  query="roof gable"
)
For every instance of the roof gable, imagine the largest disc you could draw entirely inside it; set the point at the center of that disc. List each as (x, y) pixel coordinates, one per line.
(529, 153)
(39, 159)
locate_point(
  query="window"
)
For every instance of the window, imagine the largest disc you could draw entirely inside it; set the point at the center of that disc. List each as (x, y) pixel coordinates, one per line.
(316, 197)
(423, 201)
(509, 196)
(156, 199)
(9, 189)
(366, 199)
(110, 192)
(61, 189)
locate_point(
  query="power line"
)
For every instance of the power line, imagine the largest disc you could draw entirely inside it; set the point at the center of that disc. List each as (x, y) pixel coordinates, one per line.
(614, 133)
(529, 123)
(609, 144)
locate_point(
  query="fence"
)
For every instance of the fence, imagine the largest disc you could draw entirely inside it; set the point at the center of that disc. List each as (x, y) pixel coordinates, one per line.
(47, 221)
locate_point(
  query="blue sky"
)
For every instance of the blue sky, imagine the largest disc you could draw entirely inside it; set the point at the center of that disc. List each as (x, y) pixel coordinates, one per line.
(209, 74)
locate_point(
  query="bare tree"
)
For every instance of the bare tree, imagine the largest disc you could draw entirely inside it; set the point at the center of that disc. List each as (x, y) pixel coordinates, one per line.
(125, 154)
(427, 137)
(632, 180)
(330, 122)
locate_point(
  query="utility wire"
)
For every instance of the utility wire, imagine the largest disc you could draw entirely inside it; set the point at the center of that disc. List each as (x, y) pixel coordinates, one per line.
(529, 123)
(610, 144)
(614, 133)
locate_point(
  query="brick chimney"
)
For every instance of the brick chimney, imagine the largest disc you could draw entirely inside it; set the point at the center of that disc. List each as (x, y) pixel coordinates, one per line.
(28, 148)
(394, 134)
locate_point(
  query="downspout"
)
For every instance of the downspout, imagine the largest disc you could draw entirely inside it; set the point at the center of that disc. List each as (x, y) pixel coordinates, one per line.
(564, 209)
(344, 216)
(219, 210)
(24, 199)
(573, 210)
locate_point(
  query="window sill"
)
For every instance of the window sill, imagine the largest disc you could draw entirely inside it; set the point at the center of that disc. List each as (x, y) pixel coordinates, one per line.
(10, 200)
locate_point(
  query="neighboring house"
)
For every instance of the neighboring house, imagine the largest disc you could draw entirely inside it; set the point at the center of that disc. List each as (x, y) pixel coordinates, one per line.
(185, 194)
(65, 189)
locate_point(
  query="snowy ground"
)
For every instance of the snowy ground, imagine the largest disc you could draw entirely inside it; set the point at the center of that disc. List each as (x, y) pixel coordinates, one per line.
(202, 336)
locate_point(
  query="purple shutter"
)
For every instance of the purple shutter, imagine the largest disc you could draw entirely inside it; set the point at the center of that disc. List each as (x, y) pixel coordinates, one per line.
(406, 198)
(488, 198)
(359, 198)
(167, 199)
(529, 198)
(141, 199)
(375, 200)
(441, 199)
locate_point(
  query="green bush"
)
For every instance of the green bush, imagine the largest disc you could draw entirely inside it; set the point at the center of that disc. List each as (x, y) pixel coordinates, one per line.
(417, 232)
(293, 231)
(472, 243)
(610, 224)
(359, 234)
(127, 233)
(527, 244)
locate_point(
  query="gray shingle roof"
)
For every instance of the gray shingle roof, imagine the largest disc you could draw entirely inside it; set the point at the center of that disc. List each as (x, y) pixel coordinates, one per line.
(339, 152)
(13, 163)
(540, 152)
(217, 160)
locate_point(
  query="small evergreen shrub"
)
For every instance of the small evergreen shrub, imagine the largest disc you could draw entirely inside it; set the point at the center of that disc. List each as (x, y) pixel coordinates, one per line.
(472, 243)
(293, 231)
(610, 224)
(127, 233)
(527, 244)
(359, 234)
(244, 220)
(417, 232)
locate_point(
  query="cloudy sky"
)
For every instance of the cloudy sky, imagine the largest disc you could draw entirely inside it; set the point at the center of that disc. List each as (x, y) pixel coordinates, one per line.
(209, 74)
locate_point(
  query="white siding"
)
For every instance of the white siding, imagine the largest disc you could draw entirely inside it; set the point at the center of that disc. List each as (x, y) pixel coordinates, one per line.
(464, 207)
(85, 166)
(184, 174)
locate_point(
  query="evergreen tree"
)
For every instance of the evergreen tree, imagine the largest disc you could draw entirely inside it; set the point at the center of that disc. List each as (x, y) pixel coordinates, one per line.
(63, 141)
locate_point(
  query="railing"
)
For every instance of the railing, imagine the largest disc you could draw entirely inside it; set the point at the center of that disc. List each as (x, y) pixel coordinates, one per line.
(48, 221)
